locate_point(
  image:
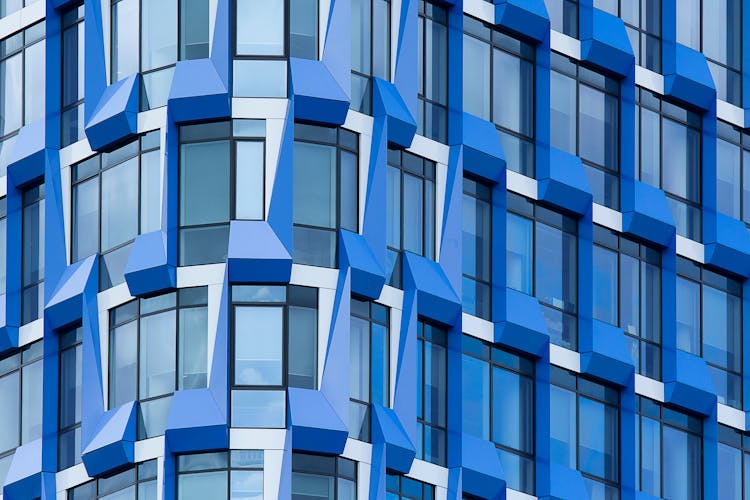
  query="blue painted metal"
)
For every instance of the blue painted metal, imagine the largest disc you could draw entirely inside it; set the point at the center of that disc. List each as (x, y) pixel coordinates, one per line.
(528, 17)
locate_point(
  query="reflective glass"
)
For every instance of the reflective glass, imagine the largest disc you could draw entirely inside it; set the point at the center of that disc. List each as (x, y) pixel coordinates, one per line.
(31, 402)
(249, 180)
(204, 183)
(156, 366)
(123, 364)
(563, 112)
(688, 316)
(150, 192)
(650, 147)
(85, 218)
(258, 345)
(245, 83)
(193, 342)
(124, 39)
(302, 351)
(689, 23)
(263, 409)
(563, 427)
(200, 486)
(11, 90)
(722, 324)
(512, 410)
(70, 387)
(682, 475)
(246, 485)
(158, 34)
(598, 125)
(730, 472)
(194, 19)
(315, 184)
(650, 456)
(476, 77)
(34, 89)
(152, 417)
(303, 29)
(681, 160)
(598, 439)
(119, 204)
(520, 241)
(476, 397)
(513, 92)
(555, 274)
(413, 214)
(260, 27)
(9, 417)
(722, 19)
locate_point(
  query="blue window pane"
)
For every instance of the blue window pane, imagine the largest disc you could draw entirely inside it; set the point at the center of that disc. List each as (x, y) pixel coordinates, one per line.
(263, 409)
(563, 427)
(689, 23)
(34, 88)
(314, 247)
(728, 386)
(193, 354)
(598, 117)
(650, 456)
(258, 345)
(150, 192)
(380, 365)
(245, 83)
(728, 178)
(202, 485)
(563, 112)
(723, 20)
(555, 267)
(152, 417)
(476, 77)
(650, 147)
(393, 207)
(155, 88)
(598, 439)
(722, 334)
(651, 302)
(70, 387)
(359, 363)
(688, 316)
(512, 410)
(630, 294)
(249, 180)
(413, 214)
(477, 238)
(562, 327)
(519, 471)
(681, 160)
(119, 204)
(123, 365)
(194, 19)
(158, 34)
(435, 384)
(85, 217)
(156, 369)
(476, 397)
(69, 448)
(315, 185)
(204, 183)
(124, 39)
(604, 289)
(303, 29)
(9, 417)
(520, 253)
(203, 245)
(682, 476)
(246, 485)
(261, 28)
(513, 92)
(730, 472)
(302, 347)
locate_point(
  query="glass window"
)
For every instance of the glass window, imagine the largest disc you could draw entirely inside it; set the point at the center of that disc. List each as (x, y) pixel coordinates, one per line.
(69, 422)
(136, 483)
(477, 248)
(432, 393)
(410, 206)
(220, 475)
(166, 35)
(3, 244)
(733, 171)
(627, 293)
(8, 7)
(322, 477)
(669, 451)
(498, 405)
(325, 191)
(668, 151)
(21, 400)
(274, 346)
(110, 207)
(303, 29)
(585, 433)
(584, 119)
(563, 16)
(72, 75)
(32, 267)
(369, 374)
(642, 20)
(221, 178)
(432, 71)
(22, 84)
(399, 487)
(260, 48)
(499, 87)
(371, 49)
(715, 28)
(709, 324)
(553, 279)
(158, 345)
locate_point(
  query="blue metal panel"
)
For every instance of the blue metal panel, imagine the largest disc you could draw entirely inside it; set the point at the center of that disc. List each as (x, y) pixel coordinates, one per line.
(524, 327)
(66, 303)
(317, 95)
(482, 151)
(374, 225)
(605, 354)
(256, 255)
(198, 92)
(687, 77)
(563, 183)
(280, 209)
(196, 423)
(387, 101)
(148, 270)
(115, 118)
(482, 471)
(436, 298)
(646, 214)
(691, 386)
(604, 41)
(29, 153)
(729, 247)
(113, 445)
(367, 275)
(566, 484)
(388, 431)
(528, 17)
(335, 380)
(24, 479)
(315, 425)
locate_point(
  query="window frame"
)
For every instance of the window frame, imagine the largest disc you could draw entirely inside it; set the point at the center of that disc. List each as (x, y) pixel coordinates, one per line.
(476, 195)
(138, 470)
(365, 77)
(640, 30)
(336, 475)
(426, 15)
(67, 344)
(72, 19)
(428, 490)
(39, 200)
(423, 425)
(229, 468)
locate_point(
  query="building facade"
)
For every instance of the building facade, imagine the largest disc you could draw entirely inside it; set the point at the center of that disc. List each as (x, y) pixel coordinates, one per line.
(374, 249)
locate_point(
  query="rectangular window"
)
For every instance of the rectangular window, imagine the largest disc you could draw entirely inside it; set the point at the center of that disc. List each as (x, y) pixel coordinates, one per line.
(8, 7)
(432, 393)
(325, 191)
(584, 121)
(260, 48)
(715, 28)
(156, 346)
(542, 260)
(22, 84)
(432, 71)
(326, 478)
(32, 265)
(21, 400)
(709, 324)
(477, 249)
(499, 87)
(733, 171)
(115, 197)
(72, 75)
(168, 31)
(371, 49)
(627, 293)
(642, 20)
(220, 475)
(136, 483)
(69, 422)
(668, 152)
(733, 456)
(275, 330)
(369, 374)
(303, 29)
(222, 169)
(563, 15)
(399, 487)
(410, 206)
(669, 451)
(3, 244)
(498, 405)
(585, 431)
